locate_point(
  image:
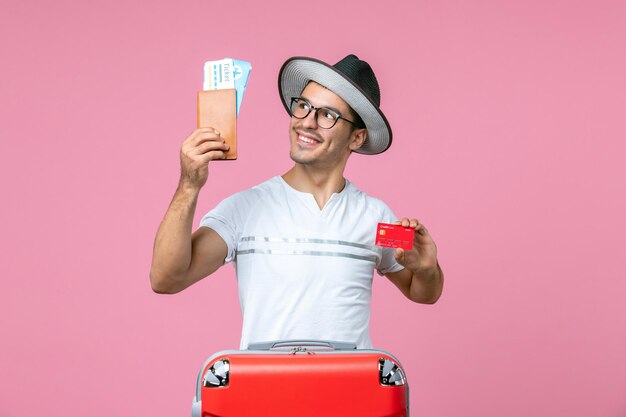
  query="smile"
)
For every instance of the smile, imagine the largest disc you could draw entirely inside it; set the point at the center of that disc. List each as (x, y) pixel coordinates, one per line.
(306, 140)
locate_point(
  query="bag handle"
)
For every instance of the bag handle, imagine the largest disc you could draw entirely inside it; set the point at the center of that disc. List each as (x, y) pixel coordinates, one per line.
(286, 344)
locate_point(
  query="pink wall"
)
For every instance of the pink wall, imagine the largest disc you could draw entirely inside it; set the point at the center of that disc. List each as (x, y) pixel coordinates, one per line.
(509, 145)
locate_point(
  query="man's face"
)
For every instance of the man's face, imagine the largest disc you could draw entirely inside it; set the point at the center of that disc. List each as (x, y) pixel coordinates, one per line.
(313, 145)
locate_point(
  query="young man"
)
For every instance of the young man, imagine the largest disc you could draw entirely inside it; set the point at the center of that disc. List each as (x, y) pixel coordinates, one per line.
(303, 242)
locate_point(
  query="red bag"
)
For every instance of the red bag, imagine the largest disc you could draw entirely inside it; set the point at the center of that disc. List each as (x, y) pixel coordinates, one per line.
(301, 378)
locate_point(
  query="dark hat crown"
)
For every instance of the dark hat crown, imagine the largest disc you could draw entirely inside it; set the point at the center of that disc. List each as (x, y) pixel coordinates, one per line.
(360, 73)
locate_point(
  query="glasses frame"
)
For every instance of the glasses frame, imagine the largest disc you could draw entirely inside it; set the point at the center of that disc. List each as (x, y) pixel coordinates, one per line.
(317, 109)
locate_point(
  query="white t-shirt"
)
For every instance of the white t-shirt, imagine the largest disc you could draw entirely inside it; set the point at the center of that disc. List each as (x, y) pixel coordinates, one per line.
(302, 272)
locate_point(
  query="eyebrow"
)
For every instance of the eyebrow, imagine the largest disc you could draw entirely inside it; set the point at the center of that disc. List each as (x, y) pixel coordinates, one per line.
(324, 107)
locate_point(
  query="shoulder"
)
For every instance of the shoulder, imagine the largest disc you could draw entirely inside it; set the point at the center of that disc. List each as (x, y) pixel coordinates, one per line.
(272, 185)
(255, 193)
(237, 205)
(372, 204)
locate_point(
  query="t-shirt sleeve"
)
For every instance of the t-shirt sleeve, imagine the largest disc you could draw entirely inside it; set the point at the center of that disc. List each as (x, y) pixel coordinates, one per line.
(226, 220)
(388, 261)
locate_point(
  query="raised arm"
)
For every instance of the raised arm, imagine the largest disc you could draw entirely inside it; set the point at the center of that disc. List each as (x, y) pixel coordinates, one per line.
(181, 258)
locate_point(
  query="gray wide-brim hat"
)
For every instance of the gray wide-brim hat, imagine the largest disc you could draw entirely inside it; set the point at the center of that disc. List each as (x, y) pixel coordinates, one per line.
(351, 79)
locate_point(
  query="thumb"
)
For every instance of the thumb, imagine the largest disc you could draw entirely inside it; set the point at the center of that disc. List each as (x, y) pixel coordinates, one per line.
(399, 255)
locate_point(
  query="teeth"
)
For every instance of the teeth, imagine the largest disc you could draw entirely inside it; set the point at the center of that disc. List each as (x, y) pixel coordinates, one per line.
(306, 140)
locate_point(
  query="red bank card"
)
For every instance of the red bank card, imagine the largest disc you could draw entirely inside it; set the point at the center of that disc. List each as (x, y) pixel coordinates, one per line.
(394, 236)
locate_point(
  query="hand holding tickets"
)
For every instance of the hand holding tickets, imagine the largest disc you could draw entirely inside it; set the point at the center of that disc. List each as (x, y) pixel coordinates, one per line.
(218, 105)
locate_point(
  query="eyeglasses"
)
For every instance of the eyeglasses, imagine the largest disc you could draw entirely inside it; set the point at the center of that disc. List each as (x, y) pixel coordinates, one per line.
(326, 118)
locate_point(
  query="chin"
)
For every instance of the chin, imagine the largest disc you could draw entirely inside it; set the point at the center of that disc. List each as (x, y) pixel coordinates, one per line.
(299, 159)
(299, 155)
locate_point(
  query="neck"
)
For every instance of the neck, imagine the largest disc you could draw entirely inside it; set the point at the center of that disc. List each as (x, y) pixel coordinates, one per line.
(321, 184)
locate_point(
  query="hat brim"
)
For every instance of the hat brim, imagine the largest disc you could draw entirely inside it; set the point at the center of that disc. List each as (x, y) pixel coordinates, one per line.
(296, 72)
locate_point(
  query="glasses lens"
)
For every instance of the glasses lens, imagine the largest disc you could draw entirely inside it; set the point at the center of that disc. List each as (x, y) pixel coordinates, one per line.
(326, 118)
(300, 108)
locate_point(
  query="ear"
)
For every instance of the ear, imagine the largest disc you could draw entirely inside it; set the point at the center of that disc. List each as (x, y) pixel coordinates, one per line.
(357, 139)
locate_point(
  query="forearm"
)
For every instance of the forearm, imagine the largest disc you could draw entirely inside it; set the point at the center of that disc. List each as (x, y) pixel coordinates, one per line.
(426, 285)
(172, 246)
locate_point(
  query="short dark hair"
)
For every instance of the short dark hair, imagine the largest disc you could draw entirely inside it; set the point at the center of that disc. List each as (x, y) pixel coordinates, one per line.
(358, 122)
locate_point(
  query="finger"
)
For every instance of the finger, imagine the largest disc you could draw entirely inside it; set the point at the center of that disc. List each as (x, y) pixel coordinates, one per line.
(201, 135)
(198, 132)
(207, 129)
(205, 147)
(403, 221)
(202, 146)
(421, 229)
(206, 137)
(211, 156)
(192, 153)
(406, 222)
(399, 255)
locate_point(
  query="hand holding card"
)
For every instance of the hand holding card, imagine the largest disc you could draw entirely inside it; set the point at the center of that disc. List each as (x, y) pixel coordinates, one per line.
(421, 255)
